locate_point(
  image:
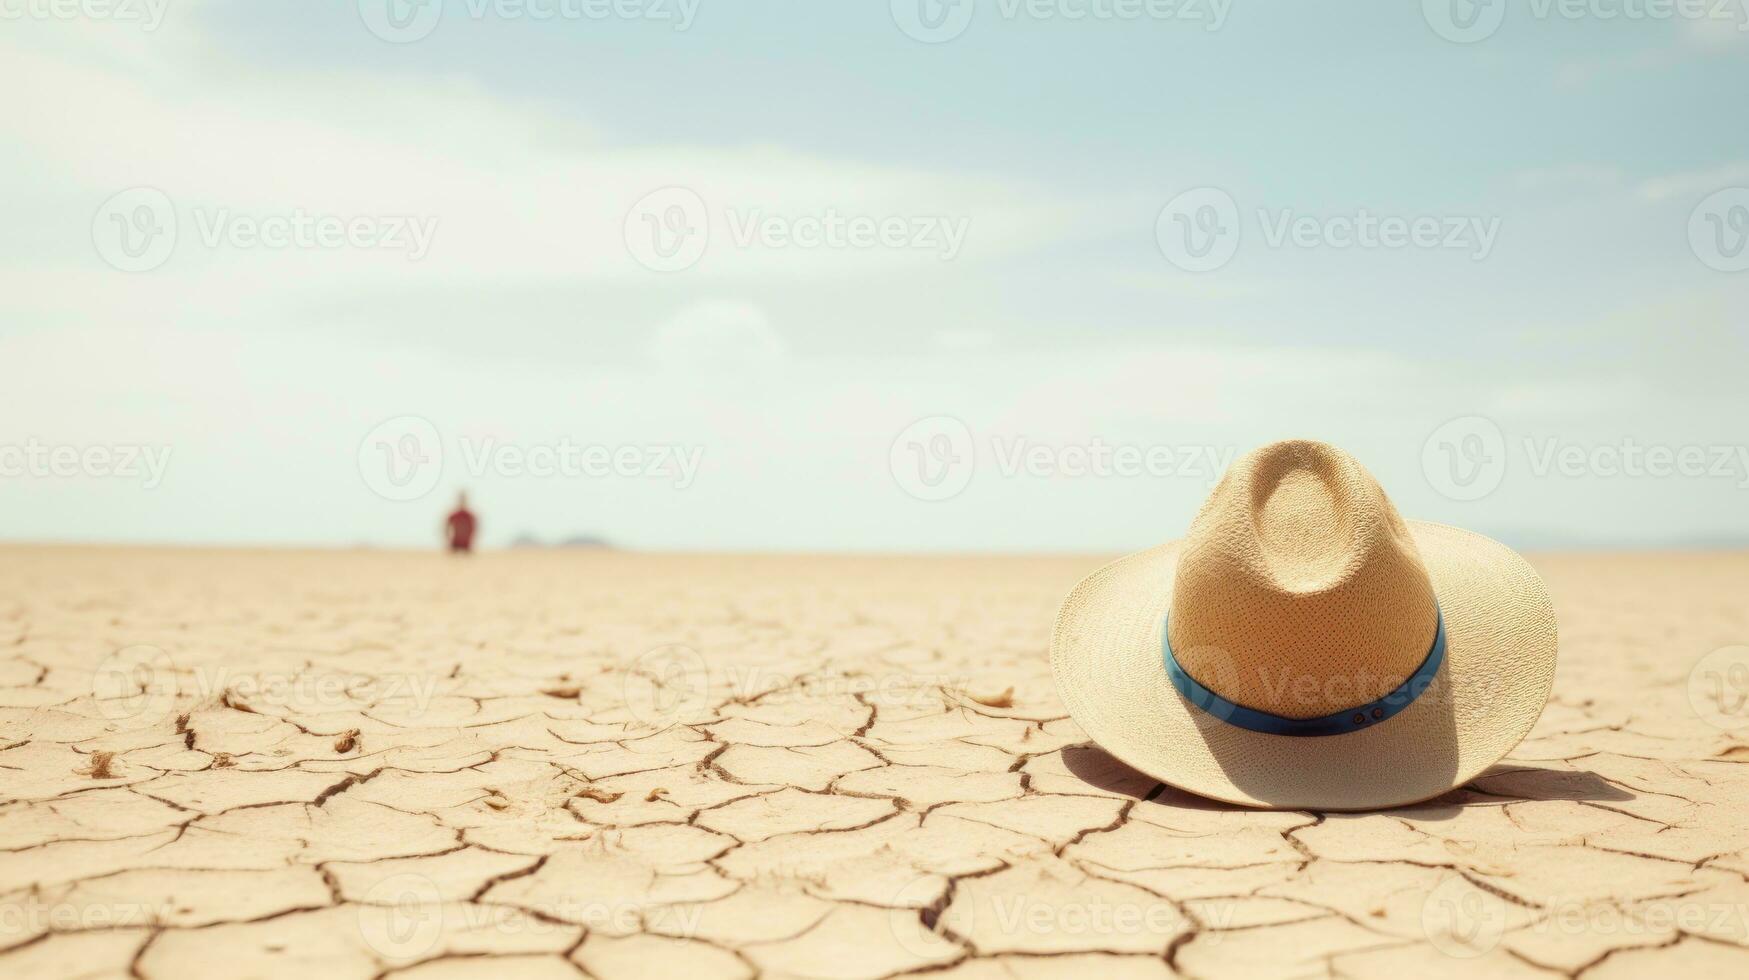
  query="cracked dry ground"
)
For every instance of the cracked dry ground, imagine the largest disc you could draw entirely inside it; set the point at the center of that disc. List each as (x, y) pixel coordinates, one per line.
(351, 765)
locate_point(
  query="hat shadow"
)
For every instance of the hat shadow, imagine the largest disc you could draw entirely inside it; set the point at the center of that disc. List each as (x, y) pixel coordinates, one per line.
(1502, 782)
(1517, 782)
(1104, 771)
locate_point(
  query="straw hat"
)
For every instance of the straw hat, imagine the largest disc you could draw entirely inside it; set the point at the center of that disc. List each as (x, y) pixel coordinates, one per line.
(1303, 647)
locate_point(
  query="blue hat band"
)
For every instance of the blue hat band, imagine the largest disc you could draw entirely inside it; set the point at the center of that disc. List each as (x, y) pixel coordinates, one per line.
(1336, 723)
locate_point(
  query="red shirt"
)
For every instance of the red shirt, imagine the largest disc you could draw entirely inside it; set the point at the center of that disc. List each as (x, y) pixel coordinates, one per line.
(461, 530)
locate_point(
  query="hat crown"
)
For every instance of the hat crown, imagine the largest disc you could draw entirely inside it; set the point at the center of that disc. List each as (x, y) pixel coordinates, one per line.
(1299, 589)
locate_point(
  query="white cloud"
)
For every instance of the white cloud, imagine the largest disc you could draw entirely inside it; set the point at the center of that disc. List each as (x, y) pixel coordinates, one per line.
(1579, 175)
(964, 339)
(520, 192)
(231, 356)
(718, 335)
(1693, 182)
(1720, 33)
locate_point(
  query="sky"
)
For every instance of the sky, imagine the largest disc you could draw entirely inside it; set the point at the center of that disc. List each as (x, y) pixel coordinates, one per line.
(1018, 275)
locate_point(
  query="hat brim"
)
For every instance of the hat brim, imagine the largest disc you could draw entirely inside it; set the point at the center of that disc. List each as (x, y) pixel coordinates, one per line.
(1499, 665)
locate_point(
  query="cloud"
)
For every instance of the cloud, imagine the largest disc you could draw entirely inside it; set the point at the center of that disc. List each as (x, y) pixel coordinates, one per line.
(1693, 183)
(1728, 33)
(720, 335)
(963, 339)
(1578, 175)
(519, 192)
(1722, 31)
(530, 321)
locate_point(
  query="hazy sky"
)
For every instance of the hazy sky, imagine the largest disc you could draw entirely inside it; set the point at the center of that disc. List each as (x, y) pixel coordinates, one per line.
(913, 276)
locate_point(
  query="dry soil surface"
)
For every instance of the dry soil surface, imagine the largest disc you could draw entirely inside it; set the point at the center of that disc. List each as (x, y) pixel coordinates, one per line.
(339, 765)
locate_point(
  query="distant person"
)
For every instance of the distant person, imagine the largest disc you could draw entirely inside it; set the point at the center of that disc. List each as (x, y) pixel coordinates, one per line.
(460, 525)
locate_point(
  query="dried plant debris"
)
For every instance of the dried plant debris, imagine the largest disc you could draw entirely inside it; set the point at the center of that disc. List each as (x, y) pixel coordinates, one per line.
(100, 766)
(1004, 699)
